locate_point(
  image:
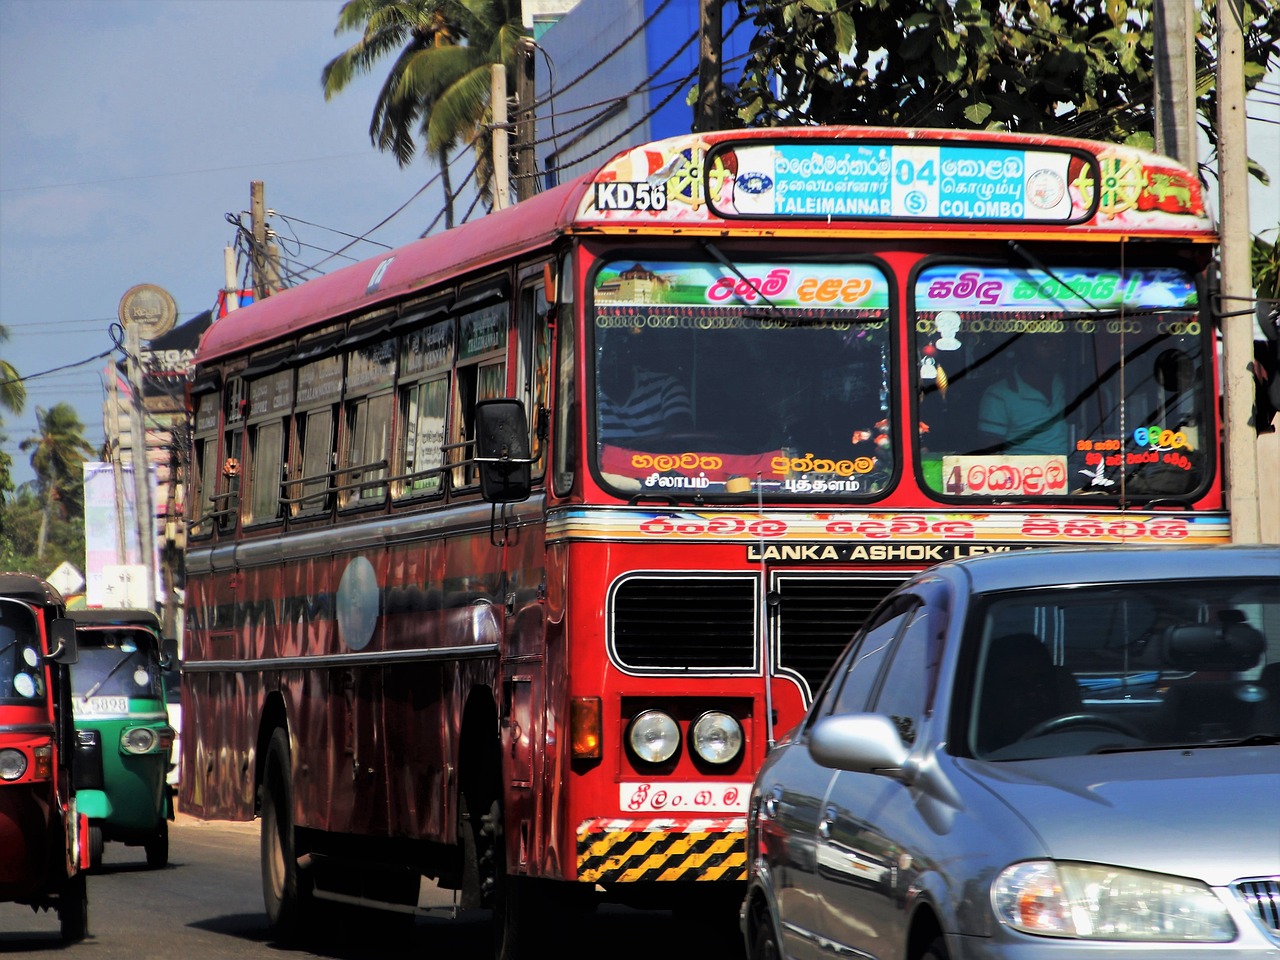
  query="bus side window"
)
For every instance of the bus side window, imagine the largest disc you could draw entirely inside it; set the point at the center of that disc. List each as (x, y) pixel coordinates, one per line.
(313, 445)
(426, 360)
(370, 409)
(205, 468)
(227, 499)
(270, 399)
(534, 371)
(481, 372)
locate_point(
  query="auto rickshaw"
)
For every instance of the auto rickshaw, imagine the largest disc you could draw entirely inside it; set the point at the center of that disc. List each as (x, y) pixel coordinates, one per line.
(124, 740)
(43, 837)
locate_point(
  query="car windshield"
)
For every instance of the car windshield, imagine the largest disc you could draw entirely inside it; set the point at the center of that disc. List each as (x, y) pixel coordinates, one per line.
(1125, 667)
(21, 673)
(720, 379)
(114, 664)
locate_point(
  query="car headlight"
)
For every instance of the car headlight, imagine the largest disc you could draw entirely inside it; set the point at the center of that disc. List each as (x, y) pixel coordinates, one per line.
(654, 736)
(717, 737)
(1096, 902)
(138, 740)
(13, 764)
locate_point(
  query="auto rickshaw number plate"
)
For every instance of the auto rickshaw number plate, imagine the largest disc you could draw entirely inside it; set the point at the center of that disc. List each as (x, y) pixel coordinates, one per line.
(97, 706)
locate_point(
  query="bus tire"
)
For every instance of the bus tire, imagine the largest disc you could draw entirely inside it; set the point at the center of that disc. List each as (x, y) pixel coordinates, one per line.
(73, 909)
(157, 847)
(515, 901)
(286, 890)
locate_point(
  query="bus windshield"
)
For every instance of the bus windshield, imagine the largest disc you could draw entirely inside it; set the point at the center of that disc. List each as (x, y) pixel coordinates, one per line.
(1061, 381)
(770, 378)
(21, 675)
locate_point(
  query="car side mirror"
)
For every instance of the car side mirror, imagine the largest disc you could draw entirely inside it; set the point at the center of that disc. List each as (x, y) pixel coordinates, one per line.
(502, 450)
(860, 742)
(62, 641)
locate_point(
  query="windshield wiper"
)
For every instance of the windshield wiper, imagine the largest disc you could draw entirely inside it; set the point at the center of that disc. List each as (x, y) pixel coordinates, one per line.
(110, 673)
(1253, 740)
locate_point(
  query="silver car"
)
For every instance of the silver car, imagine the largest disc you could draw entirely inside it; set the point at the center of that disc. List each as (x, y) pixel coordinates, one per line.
(1052, 753)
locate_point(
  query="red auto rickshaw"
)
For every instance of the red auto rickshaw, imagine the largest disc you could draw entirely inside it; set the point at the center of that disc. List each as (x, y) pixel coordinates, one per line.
(43, 840)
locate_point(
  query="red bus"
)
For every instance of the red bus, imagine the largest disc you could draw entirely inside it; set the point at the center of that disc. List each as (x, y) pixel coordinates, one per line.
(757, 378)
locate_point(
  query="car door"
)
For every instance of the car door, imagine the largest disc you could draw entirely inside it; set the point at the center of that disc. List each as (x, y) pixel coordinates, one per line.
(868, 830)
(794, 788)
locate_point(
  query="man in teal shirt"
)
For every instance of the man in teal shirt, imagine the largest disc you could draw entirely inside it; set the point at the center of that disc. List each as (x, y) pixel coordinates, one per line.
(1024, 412)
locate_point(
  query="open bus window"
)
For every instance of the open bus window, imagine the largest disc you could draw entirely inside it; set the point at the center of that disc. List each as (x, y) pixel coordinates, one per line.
(1088, 381)
(708, 383)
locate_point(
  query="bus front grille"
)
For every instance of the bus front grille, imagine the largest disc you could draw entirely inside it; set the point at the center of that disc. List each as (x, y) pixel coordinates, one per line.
(666, 624)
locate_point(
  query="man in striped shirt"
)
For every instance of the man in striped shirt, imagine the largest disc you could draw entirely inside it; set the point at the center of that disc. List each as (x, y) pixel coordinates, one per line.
(635, 403)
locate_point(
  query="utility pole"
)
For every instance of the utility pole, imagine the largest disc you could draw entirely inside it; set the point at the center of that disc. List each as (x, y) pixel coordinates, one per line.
(707, 117)
(1236, 296)
(498, 105)
(1175, 92)
(526, 169)
(258, 224)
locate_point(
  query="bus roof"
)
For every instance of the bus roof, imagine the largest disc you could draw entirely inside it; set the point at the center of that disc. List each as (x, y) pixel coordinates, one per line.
(801, 181)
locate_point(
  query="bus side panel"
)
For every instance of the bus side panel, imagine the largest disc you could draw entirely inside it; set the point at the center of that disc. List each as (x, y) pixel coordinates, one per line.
(556, 840)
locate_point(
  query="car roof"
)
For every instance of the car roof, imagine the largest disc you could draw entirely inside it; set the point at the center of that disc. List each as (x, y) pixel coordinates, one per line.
(1052, 566)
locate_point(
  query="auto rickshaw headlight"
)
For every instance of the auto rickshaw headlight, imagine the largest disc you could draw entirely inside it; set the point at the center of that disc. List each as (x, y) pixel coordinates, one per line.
(13, 764)
(138, 740)
(717, 737)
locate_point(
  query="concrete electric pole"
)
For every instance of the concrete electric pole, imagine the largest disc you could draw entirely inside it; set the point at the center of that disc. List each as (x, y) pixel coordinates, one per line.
(1236, 295)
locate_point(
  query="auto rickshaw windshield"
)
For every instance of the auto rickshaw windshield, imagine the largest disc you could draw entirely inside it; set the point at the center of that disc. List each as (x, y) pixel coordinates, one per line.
(21, 673)
(115, 665)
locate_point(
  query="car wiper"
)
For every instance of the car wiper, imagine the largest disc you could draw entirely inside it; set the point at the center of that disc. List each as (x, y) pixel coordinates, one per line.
(1253, 740)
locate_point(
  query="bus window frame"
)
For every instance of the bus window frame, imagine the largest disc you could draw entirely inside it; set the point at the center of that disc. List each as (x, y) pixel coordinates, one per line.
(1126, 258)
(420, 323)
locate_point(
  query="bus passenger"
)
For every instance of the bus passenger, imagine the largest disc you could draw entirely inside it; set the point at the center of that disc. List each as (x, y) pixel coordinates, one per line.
(1024, 413)
(635, 402)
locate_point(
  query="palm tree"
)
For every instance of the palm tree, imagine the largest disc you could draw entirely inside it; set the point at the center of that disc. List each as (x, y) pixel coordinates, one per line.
(13, 395)
(438, 87)
(58, 451)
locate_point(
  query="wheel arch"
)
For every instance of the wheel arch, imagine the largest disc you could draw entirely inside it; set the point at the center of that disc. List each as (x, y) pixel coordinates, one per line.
(274, 716)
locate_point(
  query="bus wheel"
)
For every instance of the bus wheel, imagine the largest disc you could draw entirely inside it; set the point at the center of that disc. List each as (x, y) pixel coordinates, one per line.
(157, 847)
(73, 909)
(286, 892)
(517, 904)
(95, 845)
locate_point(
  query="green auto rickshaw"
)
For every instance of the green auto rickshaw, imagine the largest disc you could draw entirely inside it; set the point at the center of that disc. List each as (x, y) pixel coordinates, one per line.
(123, 737)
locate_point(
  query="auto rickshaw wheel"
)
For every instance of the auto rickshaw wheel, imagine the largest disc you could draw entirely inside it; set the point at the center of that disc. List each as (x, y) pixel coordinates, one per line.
(73, 909)
(157, 847)
(95, 845)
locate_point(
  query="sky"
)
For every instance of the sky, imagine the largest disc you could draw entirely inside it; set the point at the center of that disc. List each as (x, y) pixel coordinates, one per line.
(130, 128)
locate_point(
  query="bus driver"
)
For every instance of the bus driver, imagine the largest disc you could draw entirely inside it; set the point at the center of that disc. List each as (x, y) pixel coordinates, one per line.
(1024, 413)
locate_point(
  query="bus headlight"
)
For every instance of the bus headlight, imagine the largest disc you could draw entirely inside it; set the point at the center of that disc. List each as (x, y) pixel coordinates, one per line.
(13, 764)
(717, 737)
(654, 736)
(138, 740)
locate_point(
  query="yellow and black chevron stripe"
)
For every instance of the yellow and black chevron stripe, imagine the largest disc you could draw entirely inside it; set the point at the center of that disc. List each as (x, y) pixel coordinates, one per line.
(633, 855)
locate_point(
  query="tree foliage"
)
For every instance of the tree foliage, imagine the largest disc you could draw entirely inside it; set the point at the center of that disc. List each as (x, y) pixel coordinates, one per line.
(437, 91)
(58, 452)
(1074, 67)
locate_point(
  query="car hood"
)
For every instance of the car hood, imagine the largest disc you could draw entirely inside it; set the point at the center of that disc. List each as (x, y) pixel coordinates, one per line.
(1206, 813)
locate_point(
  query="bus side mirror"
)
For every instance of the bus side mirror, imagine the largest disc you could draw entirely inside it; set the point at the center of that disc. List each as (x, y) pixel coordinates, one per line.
(62, 641)
(502, 450)
(169, 653)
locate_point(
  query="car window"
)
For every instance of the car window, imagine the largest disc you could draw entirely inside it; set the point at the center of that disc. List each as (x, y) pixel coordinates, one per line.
(904, 695)
(860, 669)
